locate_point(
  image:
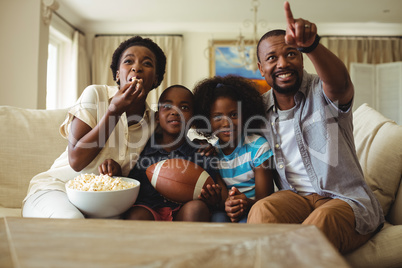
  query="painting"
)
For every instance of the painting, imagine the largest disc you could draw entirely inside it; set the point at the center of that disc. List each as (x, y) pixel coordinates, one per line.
(225, 59)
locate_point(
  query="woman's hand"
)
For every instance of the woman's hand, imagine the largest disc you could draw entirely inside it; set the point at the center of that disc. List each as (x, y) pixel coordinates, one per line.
(110, 167)
(128, 95)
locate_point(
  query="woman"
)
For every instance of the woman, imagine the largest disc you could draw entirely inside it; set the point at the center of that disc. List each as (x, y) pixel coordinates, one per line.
(106, 123)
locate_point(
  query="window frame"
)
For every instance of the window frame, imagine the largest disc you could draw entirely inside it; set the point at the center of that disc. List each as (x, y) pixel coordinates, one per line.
(60, 91)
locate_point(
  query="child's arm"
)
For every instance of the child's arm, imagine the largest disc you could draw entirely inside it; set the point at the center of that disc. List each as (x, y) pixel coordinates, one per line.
(264, 180)
(238, 204)
(85, 143)
(110, 167)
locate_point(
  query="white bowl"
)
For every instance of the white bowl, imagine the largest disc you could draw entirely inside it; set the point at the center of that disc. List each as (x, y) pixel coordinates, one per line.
(104, 204)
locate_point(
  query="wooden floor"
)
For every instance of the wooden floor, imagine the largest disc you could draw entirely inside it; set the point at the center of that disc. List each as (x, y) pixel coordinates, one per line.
(27, 242)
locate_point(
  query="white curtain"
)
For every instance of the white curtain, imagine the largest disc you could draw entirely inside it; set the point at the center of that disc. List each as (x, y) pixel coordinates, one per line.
(82, 73)
(373, 50)
(104, 46)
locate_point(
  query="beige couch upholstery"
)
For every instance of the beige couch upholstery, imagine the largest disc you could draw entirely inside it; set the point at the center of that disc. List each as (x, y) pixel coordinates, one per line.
(30, 142)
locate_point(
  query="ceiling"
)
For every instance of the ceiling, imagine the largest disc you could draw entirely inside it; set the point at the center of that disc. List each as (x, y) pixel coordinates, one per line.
(185, 15)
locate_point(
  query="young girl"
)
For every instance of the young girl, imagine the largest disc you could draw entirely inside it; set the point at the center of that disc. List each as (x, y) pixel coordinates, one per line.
(170, 141)
(106, 122)
(231, 109)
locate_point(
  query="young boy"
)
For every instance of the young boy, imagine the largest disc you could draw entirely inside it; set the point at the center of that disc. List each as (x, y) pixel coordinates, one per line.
(175, 109)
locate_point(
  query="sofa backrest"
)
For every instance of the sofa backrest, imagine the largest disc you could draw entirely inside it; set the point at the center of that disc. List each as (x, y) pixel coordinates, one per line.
(30, 142)
(379, 149)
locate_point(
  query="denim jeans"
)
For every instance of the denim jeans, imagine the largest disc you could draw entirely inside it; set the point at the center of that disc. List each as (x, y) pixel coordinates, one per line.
(220, 216)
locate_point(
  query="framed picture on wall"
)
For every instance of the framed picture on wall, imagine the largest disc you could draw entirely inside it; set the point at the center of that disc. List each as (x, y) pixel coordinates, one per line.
(224, 59)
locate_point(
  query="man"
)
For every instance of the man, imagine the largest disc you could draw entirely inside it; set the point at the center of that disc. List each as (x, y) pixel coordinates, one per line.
(310, 129)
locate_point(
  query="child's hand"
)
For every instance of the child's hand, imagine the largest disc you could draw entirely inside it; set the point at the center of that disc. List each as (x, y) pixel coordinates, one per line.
(211, 195)
(128, 95)
(236, 205)
(110, 167)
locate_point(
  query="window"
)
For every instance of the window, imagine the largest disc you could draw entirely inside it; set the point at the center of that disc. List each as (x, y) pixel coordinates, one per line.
(51, 83)
(380, 86)
(60, 91)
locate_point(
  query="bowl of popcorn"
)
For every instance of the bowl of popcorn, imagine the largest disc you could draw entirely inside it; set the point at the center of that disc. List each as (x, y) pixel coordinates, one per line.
(102, 196)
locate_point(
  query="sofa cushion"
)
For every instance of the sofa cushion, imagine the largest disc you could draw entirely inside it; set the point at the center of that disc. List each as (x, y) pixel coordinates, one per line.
(10, 212)
(383, 250)
(379, 149)
(395, 215)
(29, 144)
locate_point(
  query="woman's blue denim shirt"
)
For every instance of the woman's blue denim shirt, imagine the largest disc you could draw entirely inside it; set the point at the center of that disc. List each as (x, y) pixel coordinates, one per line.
(324, 135)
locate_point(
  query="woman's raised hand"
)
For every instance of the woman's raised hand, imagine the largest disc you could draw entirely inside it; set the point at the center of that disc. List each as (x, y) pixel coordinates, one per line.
(128, 95)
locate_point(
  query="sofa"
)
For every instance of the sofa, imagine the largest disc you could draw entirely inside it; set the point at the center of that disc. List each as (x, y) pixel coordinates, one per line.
(30, 142)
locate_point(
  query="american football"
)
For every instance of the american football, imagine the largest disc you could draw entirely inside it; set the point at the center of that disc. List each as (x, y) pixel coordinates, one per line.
(178, 180)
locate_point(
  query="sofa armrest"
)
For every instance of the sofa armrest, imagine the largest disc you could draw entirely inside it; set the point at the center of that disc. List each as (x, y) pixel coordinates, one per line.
(379, 150)
(395, 214)
(29, 144)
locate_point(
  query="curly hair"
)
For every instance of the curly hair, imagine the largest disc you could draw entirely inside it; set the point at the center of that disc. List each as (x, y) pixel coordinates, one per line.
(144, 42)
(234, 87)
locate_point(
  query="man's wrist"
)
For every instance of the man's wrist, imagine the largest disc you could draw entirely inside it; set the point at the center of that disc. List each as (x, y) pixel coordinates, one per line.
(312, 47)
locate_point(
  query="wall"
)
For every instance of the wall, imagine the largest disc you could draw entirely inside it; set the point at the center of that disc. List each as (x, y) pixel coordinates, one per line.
(196, 38)
(196, 65)
(23, 54)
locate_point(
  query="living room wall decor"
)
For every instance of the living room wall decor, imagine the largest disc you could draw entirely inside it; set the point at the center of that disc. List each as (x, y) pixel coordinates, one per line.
(226, 58)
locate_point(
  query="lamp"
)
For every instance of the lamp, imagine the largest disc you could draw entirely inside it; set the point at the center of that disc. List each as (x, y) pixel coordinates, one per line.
(245, 49)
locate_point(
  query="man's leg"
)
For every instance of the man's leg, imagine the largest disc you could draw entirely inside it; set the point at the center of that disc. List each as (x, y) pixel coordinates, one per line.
(280, 207)
(335, 218)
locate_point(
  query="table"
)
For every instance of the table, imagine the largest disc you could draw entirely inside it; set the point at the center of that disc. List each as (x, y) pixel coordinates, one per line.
(30, 242)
